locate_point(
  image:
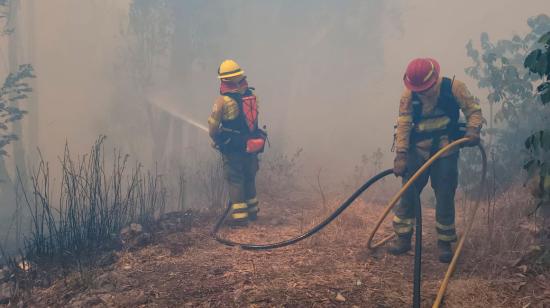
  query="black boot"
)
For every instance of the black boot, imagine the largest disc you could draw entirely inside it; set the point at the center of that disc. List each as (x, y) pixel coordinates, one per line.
(238, 223)
(253, 213)
(253, 209)
(400, 245)
(445, 251)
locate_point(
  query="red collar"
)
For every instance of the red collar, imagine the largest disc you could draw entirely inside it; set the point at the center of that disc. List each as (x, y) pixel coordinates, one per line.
(229, 87)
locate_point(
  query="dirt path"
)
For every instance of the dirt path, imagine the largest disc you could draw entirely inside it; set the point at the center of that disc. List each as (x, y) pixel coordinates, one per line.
(334, 268)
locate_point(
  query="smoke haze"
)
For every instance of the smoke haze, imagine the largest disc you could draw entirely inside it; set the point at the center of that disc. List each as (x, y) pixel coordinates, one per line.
(328, 73)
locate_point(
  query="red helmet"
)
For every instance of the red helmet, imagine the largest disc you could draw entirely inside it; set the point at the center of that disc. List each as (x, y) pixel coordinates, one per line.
(421, 74)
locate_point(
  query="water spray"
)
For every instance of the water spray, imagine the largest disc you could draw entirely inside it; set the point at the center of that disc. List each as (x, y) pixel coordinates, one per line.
(179, 115)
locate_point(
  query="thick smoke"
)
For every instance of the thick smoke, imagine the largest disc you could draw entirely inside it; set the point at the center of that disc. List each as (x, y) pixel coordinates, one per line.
(328, 73)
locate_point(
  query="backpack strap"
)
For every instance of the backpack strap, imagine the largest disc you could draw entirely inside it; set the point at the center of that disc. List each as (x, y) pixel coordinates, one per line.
(447, 102)
(416, 109)
(241, 118)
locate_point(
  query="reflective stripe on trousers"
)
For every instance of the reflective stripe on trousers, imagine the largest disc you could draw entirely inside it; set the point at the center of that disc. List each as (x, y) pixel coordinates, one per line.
(240, 174)
(403, 226)
(239, 211)
(252, 205)
(444, 180)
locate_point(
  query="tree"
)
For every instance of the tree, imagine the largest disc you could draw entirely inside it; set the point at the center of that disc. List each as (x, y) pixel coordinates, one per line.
(146, 41)
(538, 143)
(12, 92)
(514, 111)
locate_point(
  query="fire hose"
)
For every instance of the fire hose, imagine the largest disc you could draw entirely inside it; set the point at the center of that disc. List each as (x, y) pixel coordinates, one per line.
(308, 233)
(460, 245)
(388, 208)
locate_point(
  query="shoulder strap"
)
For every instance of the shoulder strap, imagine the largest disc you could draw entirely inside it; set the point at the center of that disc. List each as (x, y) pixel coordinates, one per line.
(227, 98)
(249, 91)
(234, 96)
(416, 109)
(447, 102)
(447, 87)
(238, 98)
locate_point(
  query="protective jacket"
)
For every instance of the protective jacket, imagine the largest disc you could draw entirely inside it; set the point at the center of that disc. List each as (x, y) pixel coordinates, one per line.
(233, 124)
(428, 122)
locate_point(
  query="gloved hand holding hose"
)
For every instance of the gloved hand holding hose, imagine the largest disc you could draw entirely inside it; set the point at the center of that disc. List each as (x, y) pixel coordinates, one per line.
(400, 164)
(472, 133)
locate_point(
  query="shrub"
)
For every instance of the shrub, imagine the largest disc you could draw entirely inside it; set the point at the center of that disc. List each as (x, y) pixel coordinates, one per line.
(93, 204)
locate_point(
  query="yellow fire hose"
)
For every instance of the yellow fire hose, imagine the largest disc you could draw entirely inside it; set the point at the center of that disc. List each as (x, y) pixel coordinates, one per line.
(391, 204)
(396, 198)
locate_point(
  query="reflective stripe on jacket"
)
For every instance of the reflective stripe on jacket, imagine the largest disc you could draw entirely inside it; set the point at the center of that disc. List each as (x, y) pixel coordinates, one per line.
(467, 103)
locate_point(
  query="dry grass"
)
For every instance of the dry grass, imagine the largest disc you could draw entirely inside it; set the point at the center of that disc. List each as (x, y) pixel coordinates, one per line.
(189, 268)
(74, 223)
(498, 233)
(278, 178)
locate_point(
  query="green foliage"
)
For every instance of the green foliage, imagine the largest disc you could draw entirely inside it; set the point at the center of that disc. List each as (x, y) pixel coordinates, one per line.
(538, 62)
(538, 143)
(13, 90)
(509, 70)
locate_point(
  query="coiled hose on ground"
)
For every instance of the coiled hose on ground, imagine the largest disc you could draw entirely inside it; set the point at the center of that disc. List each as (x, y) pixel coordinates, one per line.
(391, 204)
(308, 233)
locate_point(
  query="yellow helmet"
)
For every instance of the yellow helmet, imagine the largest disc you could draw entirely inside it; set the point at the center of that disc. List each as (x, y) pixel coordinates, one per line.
(228, 69)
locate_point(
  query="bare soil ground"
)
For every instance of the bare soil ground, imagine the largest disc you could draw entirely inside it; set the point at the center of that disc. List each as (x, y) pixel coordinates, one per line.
(331, 269)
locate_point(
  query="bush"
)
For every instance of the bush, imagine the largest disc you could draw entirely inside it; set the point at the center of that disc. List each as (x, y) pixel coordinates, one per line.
(277, 177)
(93, 204)
(514, 112)
(210, 184)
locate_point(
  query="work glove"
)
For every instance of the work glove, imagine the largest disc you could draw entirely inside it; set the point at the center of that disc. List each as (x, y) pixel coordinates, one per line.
(472, 133)
(400, 164)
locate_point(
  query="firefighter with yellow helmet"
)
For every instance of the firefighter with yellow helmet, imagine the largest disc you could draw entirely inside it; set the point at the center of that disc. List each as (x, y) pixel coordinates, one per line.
(233, 126)
(429, 120)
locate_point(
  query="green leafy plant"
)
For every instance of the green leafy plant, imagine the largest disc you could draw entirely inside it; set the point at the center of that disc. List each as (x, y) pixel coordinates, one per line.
(14, 89)
(538, 143)
(503, 68)
(538, 62)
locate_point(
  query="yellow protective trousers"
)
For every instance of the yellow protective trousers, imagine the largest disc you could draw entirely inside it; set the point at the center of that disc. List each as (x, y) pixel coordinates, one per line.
(240, 174)
(444, 180)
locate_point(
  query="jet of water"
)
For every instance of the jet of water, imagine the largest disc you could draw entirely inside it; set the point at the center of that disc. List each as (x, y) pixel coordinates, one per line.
(179, 115)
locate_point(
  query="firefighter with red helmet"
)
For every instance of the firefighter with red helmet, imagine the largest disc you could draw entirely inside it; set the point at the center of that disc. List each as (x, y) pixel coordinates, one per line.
(233, 126)
(428, 120)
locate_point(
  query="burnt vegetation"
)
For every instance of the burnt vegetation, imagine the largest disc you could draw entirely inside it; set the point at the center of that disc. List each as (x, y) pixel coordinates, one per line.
(90, 207)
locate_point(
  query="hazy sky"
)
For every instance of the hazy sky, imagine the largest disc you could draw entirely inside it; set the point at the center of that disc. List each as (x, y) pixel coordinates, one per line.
(328, 73)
